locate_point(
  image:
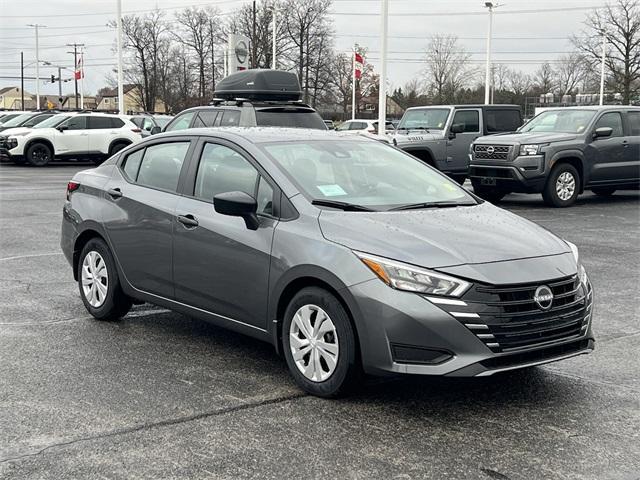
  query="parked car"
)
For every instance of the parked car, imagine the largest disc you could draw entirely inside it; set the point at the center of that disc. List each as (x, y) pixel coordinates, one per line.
(441, 135)
(345, 253)
(560, 153)
(330, 125)
(72, 135)
(26, 120)
(9, 115)
(263, 98)
(150, 124)
(364, 126)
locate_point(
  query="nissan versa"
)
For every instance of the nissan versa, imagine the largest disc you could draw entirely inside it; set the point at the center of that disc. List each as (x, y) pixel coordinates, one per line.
(348, 255)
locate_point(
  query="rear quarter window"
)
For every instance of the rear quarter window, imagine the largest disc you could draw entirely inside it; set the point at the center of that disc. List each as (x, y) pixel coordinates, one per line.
(502, 120)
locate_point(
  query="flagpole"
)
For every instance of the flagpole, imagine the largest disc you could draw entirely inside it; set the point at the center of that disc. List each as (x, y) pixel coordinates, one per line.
(353, 84)
(82, 81)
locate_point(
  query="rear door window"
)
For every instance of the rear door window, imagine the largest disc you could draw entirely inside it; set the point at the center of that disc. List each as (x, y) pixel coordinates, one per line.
(160, 166)
(502, 120)
(97, 123)
(634, 123)
(289, 117)
(230, 118)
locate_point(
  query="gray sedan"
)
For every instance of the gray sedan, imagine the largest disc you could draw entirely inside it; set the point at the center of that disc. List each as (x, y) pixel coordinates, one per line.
(348, 255)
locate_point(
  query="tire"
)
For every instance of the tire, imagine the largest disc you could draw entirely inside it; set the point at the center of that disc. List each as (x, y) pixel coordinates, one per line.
(489, 194)
(460, 179)
(38, 154)
(604, 191)
(116, 147)
(110, 302)
(562, 186)
(320, 379)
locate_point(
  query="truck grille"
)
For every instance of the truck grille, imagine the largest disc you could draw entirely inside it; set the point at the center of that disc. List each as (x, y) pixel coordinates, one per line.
(508, 319)
(491, 152)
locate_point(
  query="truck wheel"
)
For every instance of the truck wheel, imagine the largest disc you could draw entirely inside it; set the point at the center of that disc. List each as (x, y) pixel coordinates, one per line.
(604, 191)
(492, 195)
(562, 186)
(39, 154)
(460, 179)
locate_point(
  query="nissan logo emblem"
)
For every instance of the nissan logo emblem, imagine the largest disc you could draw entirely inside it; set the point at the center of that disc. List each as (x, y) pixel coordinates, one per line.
(491, 150)
(543, 297)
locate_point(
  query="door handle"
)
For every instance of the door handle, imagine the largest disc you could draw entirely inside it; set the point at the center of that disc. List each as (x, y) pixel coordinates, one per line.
(114, 193)
(189, 221)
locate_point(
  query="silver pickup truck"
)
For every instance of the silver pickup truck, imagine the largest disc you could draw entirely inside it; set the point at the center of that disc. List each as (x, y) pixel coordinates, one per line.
(441, 135)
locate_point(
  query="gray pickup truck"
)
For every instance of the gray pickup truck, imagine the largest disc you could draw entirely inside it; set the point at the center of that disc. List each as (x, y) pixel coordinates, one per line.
(441, 135)
(560, 153)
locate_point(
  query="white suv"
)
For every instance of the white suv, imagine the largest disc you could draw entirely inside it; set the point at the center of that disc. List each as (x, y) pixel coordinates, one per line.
(72, 135)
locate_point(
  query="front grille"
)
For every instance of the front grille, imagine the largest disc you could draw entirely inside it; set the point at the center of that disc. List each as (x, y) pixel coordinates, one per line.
(507, 319)
(491, 152)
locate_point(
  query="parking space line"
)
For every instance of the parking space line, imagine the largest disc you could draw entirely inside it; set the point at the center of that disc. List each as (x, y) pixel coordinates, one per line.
(137, 314)
(17, 257)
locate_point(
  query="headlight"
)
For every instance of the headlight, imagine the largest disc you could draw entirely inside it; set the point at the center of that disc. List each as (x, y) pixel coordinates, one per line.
(582, 273)
(413, 279)
(530, 149)
(574, 250)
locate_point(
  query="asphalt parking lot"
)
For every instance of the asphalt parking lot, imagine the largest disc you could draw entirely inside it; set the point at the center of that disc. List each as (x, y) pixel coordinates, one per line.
(160, 395)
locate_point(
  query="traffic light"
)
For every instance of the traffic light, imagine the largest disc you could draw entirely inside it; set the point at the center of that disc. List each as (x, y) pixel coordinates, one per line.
(53, 79)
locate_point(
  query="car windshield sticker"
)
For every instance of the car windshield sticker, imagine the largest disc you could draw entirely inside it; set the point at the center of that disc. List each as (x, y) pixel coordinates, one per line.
(331, 190)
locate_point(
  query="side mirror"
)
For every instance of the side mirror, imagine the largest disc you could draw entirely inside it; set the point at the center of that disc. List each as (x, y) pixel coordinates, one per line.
(457, 128)
(238, 204)
(602, 132)
(155, 130)
(62, 128)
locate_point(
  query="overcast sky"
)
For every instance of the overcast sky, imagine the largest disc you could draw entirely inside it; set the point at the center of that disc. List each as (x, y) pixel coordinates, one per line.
(523, 40)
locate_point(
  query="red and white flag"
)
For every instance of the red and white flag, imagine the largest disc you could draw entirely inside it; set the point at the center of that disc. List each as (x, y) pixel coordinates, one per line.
(80, 68)
(359, 65)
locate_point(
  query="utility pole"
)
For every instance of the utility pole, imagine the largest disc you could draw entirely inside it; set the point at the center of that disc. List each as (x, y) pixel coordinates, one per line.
(487, 78)
(275, 34)
(60, 87)
(36, 26)
(119, 42)
(21, 80)
(382, 89)
(604, 57)
(254, 50)
(353, 82)
(75, 67)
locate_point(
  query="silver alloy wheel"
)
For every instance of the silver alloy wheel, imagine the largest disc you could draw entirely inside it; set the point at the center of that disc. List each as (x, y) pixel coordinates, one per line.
(95, 279)
(313, 340)
(565, 186)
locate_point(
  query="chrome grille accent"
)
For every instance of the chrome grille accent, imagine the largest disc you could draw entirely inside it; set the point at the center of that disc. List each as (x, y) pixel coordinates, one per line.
(491, 152)
(509, 320)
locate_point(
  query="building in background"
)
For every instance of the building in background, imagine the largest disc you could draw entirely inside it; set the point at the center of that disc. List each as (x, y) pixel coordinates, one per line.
(132, 100)
(11, 98)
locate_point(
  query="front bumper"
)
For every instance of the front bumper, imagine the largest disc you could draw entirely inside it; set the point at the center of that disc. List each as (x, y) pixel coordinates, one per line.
(524, 174)
(403, 332)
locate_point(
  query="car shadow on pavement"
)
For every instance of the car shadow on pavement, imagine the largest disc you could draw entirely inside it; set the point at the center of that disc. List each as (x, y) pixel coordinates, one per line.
(524, 201)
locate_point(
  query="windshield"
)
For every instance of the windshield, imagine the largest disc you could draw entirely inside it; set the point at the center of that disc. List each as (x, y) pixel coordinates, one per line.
(17, 121)
(365, 173)
(52, 121)
(36, 119)
(284, 117)
(426, 118)
(561, 121)
(162, 121)
(4, 120)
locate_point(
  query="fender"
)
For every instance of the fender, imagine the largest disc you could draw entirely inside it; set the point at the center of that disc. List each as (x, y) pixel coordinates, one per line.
(310, 272)
(573, 153)
(44, 140)
(422, 148)
(125, 141)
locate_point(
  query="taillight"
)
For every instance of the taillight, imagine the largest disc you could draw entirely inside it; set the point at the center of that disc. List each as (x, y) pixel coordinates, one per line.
(72, 187)
(136, 130)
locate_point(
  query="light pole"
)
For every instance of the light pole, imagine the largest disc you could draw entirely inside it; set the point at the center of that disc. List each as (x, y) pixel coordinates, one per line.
(487, 78)
(275, 31)
(36, 26)
(382, 88)
(119, 46)
(604, 57)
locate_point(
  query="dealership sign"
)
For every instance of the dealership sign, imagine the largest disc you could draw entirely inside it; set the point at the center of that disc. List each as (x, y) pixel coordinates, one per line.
(238, 53)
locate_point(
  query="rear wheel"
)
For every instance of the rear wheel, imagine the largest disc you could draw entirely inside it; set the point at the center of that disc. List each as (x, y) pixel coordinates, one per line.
(319, 344)
(99, 283)
(562, 186)
(489, 194)
(603, 191)
(116, 147)
(38, 154)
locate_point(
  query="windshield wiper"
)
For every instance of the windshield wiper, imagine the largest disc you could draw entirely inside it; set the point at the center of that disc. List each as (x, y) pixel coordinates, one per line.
(417, 206)
(348, 207)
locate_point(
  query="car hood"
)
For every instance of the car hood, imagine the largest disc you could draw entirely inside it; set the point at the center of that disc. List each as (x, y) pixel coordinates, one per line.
(524, 138)
(436, 238)
(14, 131)
(405, 137)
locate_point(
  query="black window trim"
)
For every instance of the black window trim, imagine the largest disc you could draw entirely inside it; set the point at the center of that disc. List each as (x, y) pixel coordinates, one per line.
(161, 141)
(188, 190)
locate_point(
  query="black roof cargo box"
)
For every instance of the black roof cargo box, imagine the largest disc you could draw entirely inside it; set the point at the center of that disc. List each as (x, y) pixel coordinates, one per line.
(260, 85)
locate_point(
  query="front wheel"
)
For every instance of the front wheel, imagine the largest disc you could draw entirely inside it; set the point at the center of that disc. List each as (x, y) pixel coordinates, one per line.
(603, 191)
(460, 179)
(562, 186)
(38, 155)
(319, 344)
(99, 284)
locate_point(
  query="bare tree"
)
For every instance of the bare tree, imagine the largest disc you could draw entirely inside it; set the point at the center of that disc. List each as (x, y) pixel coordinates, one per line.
(543, 78)
(447, 67)
(619, 21)
(570, 72)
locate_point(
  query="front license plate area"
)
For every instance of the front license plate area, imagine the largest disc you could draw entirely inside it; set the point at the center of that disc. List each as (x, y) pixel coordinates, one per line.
(490, 182)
